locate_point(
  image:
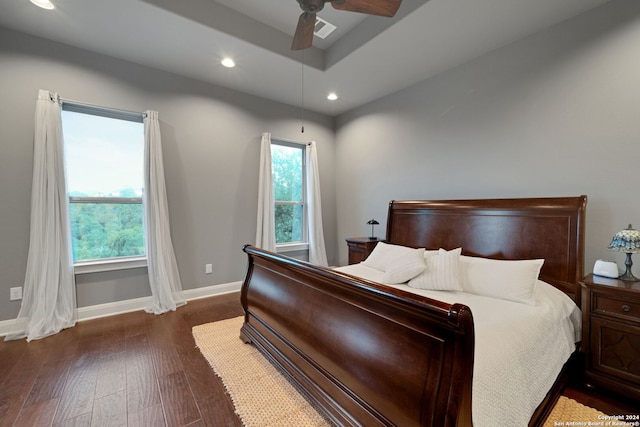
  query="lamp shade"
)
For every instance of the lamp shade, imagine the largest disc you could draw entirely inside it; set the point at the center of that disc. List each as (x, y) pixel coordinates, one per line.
(627, 240)
(372, 222)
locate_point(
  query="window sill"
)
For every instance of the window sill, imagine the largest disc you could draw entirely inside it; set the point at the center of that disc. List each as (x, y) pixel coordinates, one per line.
(97, 266)
(292, 247)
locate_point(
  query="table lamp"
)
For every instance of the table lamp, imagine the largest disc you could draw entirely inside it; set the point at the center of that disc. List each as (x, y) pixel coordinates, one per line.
(372, 222)
(627, 241)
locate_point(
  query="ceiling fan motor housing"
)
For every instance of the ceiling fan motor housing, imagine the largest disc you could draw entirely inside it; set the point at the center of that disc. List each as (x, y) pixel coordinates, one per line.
(303, 37)
(311, 6)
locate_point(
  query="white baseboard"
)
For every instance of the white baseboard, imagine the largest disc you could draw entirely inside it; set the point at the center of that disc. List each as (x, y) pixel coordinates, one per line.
(119, 307)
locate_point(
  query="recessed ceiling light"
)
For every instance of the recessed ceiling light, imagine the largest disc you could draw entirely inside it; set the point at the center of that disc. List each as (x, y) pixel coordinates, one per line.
(332, 96)
(228, 62)
(45, 4)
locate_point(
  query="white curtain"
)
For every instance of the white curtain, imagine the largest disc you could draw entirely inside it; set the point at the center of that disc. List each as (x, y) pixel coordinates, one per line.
(266, 226)
(164, 278)
(49, 299)
(317, 251)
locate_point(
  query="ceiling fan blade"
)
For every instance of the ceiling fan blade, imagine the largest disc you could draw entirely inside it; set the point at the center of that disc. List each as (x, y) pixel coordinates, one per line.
(371, 7)
(304, 31)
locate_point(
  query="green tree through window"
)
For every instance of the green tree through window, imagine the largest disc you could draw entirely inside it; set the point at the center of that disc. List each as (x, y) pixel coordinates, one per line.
(106, 230)
(104, 165)
(288, 187)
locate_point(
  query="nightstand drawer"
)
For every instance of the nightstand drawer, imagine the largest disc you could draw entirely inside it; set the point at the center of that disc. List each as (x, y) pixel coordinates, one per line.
(360, 248)
(611, 334)
(617, 306)
(616, 349)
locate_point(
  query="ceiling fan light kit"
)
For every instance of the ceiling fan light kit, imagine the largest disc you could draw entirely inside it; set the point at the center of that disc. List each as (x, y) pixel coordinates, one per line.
(303, 37)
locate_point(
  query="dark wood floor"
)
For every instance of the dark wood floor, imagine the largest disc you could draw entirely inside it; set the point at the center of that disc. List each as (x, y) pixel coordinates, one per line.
(134, 369)
(137, 369)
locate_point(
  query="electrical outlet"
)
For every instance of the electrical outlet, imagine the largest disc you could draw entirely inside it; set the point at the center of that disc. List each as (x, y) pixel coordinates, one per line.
(15, 294)
(208, 269)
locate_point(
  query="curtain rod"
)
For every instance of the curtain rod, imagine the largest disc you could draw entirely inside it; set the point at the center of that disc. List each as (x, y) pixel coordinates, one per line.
(102, 108)
(290, 141)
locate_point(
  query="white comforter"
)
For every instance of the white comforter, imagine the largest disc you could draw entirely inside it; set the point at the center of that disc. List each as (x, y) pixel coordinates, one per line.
(519, 348)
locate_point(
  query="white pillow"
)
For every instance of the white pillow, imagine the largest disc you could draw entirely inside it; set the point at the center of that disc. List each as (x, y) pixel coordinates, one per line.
(430, 252)
(404, 268)
(503, 279)
(441, 272)
(384, 254)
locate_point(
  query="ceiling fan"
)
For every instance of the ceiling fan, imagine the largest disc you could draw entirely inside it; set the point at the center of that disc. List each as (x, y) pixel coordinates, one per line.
(307, 21)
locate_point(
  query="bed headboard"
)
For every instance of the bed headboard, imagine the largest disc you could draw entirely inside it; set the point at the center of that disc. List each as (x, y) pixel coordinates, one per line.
(550, 228)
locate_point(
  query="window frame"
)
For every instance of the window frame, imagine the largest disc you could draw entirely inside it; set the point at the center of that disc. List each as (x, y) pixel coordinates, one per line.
(301, 245)
(113, 263)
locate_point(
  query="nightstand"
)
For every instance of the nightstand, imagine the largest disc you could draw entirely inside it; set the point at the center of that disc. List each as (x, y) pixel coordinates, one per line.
(611, 334)
(360, 248)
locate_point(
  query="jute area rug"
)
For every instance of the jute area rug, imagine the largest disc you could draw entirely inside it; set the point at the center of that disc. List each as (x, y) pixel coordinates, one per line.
(263, 397)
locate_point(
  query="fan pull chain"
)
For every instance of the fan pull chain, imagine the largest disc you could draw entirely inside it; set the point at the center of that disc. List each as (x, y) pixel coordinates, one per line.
(302, 95)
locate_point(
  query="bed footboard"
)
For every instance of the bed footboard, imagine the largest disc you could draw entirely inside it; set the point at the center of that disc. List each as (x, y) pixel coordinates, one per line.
(363, 353)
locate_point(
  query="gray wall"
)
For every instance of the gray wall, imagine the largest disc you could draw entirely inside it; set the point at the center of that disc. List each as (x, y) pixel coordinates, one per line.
(555, 114)
(211, 146)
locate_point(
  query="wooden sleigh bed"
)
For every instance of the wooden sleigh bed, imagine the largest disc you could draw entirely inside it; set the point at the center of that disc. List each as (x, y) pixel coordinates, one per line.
(369, 354)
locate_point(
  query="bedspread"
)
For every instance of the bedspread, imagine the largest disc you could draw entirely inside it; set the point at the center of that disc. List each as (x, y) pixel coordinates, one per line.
(519, 349)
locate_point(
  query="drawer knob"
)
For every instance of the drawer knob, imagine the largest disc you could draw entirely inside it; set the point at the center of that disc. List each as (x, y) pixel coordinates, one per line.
(626, 308)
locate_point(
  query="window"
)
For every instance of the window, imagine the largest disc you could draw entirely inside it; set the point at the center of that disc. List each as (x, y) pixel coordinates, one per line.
(104, 160)
(288, 163)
